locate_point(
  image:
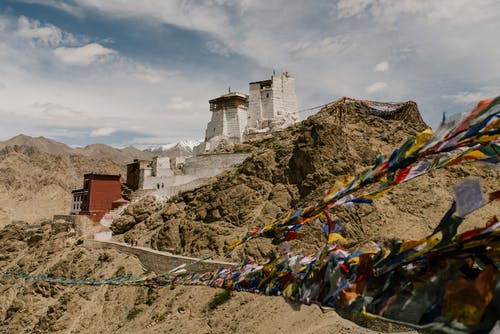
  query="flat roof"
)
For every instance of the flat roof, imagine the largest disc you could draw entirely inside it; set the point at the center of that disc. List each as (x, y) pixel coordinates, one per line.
(267, 82)
(138, 161)
(102, 176)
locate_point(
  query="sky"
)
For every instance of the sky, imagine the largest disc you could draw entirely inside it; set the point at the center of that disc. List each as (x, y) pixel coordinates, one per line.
(127, 72)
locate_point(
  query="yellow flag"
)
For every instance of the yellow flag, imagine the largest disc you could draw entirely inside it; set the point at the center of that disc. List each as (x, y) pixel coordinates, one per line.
(335, 237)
(421, 140)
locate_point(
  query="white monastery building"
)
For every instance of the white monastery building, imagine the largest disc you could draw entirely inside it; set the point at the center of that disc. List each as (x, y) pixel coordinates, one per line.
(229, 117)
(271, 105)
(235, 117)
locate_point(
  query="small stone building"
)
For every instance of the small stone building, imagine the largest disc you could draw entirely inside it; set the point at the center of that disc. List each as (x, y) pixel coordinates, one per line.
(146, 174)
(136, 171)
(146, 177)
(97, 195)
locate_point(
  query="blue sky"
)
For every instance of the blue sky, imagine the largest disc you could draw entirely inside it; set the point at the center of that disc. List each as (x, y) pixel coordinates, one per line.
(141, 72)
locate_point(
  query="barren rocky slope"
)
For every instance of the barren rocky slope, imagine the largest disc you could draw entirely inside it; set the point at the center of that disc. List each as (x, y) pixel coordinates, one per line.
(50, 250)
(36, 185)
(292, 169)
(288, 170)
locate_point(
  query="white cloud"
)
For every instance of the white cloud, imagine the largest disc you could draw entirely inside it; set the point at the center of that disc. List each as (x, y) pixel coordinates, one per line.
(4, 23)
(147, 74)
(349, 8)
(218, 48)
(83, 55)
(376, 87)
(202, 16)
(64, 6)
(430, 48)
(472, 97)
(102, 132)
(44, 98)
(318, 47)
(381, 67)
(54, 111)
(179, 103)
(47, 34)
(456, 11)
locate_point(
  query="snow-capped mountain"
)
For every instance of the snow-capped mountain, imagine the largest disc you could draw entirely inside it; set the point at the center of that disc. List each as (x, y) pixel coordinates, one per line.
(185, 144)
(179, 149)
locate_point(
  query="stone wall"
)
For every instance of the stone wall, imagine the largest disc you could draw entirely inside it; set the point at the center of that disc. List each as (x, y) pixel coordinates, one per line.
(215, 125)
(161, 167)
(83, 225)
(196, 172)
(144, 175)
(229, 123)
(172, 190)
(286, 112)
(236, 122)
(158, 183)
(159, 262)
(270, 99)
(254, 106)
(209, 165)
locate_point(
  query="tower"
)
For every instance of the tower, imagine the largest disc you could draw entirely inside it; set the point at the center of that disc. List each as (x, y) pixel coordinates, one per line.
(236, 117)
(272, 103)
(229, 117)
(227, 123)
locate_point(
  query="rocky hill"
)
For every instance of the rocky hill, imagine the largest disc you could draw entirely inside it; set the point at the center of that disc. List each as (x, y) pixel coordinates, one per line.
(287, 170)
(120, 156)
(39, 307)
(41, 144)
(291, 169)
(36, 185)
(38, 174)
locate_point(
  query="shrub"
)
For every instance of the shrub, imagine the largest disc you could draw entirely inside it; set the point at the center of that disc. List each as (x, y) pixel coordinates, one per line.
(133, 313)
(219, 299)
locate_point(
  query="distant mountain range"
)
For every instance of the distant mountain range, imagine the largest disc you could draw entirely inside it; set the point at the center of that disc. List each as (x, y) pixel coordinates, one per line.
(179, 149)
(120, 156)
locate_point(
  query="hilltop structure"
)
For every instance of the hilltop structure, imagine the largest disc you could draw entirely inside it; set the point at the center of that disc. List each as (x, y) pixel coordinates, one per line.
(148, 174)
(236, 117)
(229, 117)
(165, 178)
(100, 194)
(272, 104)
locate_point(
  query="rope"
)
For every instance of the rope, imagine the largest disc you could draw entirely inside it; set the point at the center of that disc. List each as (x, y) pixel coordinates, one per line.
(120, 280)
(314, 108)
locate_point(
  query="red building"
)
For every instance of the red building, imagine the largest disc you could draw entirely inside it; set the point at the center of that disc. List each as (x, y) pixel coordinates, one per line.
(97, 195)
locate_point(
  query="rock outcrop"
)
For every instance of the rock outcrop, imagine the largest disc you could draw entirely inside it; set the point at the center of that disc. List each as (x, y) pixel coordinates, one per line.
(292, 169)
